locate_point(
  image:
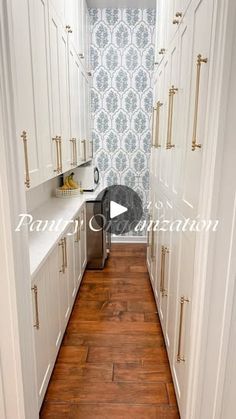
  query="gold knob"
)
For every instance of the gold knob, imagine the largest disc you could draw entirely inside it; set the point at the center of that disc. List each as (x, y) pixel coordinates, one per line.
(178, 14)
(175, 22)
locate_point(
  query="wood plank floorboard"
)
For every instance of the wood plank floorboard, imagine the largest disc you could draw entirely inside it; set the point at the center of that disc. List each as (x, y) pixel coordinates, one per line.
(113, 362)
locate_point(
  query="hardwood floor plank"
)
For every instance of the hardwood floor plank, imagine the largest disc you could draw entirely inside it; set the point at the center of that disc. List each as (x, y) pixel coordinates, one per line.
(127, 354)
(101, 339)
(72, 354)
(81, 392)
(145, 372)
(113, 411)
(84, 372)
(108, 327)
(55, 410)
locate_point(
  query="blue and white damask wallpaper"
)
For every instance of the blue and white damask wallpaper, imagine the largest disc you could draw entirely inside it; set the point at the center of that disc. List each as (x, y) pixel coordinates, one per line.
(122, 60)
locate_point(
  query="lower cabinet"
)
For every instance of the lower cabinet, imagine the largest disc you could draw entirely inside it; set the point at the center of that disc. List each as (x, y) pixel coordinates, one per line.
(54, 289)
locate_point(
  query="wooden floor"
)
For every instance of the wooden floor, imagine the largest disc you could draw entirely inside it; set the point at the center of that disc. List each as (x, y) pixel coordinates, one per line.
(113, 363)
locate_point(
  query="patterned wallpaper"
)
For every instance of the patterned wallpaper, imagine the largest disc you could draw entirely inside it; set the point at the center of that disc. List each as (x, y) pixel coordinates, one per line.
(122, 59)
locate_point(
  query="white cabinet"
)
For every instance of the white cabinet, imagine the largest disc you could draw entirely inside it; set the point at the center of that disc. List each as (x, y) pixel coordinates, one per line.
(26, 123)
(54, 290)
(63, 282)
(75, 108)
(47, 325)
(41, 77)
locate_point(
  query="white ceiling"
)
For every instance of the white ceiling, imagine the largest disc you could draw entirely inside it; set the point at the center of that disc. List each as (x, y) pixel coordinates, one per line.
(133, 4)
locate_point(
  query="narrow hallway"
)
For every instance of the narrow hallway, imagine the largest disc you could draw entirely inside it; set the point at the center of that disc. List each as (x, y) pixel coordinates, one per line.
(113, 363)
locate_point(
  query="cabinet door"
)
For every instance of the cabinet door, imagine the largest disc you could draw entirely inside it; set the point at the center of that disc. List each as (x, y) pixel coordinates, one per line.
(41, 338)
(71, 265)
(200, 12)
(53, 305)
(41, 76)
(83, 241)
(87, 122)
(83, 146)
(64, 101)
(183, 319)
(74, 74)
(161, 45)
(72, 21)
(81, 30)
(77, 252)
(25, 91)
(63, 282)
(54, 40)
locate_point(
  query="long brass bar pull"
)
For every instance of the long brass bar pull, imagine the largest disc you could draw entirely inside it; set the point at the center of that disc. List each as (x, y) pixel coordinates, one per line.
(157, 131)
(35, 291)
(27, 176)
(172, 91)
(180, 357)
(78, 231)
(164, 251)
(75, 147)
(65, 250)
(60, 154)
(56, 139)
(200, 61)
(153, 125)
(63, 267)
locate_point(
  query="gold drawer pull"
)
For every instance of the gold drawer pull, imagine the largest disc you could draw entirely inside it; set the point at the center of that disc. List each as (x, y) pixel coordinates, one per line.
(65, 249)
(63, 268)
(57, 140)
(164, 251)
(157, 131)
(183, 300)
(74, 151)
(35, 290)
(200, 61)
(27, 176)
(78, 231)
(172, 91)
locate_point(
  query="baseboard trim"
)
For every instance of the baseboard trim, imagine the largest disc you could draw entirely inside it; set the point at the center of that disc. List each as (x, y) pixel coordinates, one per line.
(128, 239)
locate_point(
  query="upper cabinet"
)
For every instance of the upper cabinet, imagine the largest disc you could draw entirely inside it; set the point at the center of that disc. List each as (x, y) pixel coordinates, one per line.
(52, 87)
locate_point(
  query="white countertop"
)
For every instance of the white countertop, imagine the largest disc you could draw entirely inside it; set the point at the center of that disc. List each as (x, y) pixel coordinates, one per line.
(41, 243)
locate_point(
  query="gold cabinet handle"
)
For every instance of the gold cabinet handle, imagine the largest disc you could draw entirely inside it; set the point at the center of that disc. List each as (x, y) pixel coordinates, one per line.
(178, 14)
(78, 231)
(180, 357)
(84, 149)
(35, 291)
(57, 140)
(74, 152)
(172, 91)
(200, 61)
(60, 154)
(157, 130)
(162, 51)
(175, 22)
(164, 251)
(63, 267)
(65, 250)
(27, 176)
